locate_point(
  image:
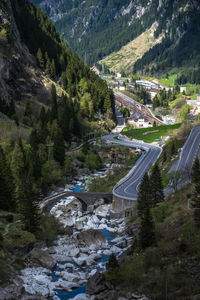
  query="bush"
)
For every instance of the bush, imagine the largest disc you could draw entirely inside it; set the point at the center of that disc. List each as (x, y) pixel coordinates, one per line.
(160, 213)
(9, 218)
(92, 161)
(49, 229)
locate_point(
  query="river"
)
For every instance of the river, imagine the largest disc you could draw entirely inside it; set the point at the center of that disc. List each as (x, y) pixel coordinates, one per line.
(79, 256)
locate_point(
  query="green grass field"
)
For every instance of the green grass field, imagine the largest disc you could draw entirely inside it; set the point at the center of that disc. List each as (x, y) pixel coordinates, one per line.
(168, 82)
(151, 134)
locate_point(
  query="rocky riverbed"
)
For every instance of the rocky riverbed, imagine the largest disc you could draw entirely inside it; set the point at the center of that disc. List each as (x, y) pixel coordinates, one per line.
(62, 270)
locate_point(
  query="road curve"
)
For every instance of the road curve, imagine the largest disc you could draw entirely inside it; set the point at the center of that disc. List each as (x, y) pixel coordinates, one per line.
(189, 150)
(127, 188)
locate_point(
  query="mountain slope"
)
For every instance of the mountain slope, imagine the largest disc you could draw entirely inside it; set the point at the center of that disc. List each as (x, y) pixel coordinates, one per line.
(32, 54)
(98, 28)
(94, 29)
(124, 59)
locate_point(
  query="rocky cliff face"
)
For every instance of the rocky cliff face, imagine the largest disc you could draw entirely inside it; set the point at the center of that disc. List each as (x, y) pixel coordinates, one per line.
(19, 76)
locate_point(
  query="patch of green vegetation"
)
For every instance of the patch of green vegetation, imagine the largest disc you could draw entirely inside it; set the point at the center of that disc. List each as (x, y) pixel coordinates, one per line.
(168, 81)
(10, 131)
(106, 184)
(169, 268)
(16, 238)
(3, 36)
(113, 176)
(151, 134)
(177, 103)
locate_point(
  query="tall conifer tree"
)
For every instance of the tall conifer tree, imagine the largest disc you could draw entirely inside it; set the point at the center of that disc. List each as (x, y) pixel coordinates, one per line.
(156, 186)
(145, 195)
(147, 236)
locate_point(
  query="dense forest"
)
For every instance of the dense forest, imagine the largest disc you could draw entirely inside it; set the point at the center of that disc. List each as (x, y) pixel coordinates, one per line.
(96, 29)
(30, 165)
(179, 47)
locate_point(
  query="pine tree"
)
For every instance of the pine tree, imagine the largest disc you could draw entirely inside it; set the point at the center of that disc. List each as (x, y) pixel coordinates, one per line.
(65, 122)
(28, 206)
(34, 139)
(156, 186)
(40, 59)
(53, 70)
(172, 149)
(196, 205)
(58, 144)
(144, 199)
(6, 184)
(48, 67)
(43, 117)
(54, 109)
(195, 175)
(59, 147)
(107, 103)
(147, 236)
(196, 194)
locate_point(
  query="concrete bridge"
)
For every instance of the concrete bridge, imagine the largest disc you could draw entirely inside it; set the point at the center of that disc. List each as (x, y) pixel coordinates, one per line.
(86, 199)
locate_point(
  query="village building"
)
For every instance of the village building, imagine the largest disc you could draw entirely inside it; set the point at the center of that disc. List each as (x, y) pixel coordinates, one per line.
(119, 75)
(182, 89)
(139, 121)
(148, 85)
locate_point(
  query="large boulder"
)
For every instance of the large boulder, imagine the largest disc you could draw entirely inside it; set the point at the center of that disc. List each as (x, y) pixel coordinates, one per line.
(91, 237)
(41, 258)
(66, 210)
(99, 289)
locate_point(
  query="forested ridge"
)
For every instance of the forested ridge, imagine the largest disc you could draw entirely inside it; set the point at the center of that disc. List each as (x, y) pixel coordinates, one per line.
(33, 154)
(95, 29)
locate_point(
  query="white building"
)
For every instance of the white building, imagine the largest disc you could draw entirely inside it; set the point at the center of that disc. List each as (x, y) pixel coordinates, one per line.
(139, 121)
(148, 85)
(122, 88)
(182, 89)
(119, 75)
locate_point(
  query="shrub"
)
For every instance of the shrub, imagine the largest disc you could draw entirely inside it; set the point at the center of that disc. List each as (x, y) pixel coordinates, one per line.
(9, 218)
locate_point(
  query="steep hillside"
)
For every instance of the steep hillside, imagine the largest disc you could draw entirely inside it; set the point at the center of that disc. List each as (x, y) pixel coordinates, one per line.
(33, 56)
(95, 29)
(124, 59)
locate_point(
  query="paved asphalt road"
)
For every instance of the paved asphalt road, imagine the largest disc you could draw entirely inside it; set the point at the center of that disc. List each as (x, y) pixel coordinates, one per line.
(189, 150)
(188, 154)
(127, 188)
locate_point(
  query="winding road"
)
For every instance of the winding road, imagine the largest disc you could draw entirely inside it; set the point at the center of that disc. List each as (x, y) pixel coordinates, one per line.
(127, 188)
(189, 150)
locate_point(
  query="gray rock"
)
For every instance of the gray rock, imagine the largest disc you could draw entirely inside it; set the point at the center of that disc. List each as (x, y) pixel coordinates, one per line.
(96, 285)
(99, 202)
(17, 291)
(38, 257)
(90, 208)
(91, 237)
